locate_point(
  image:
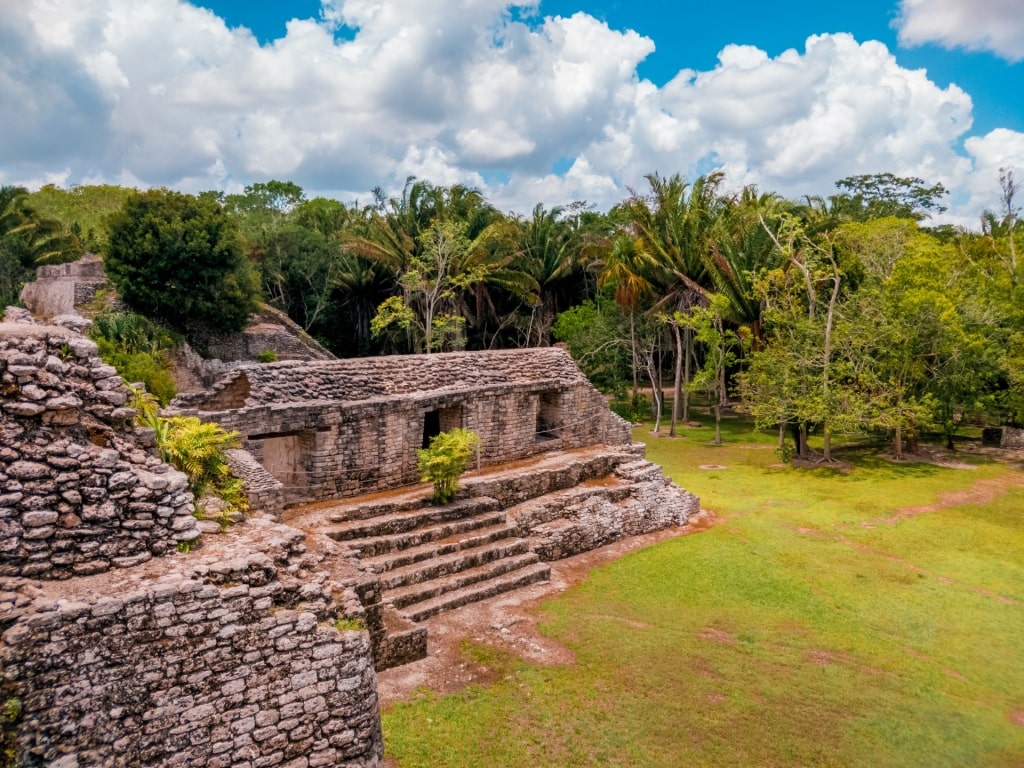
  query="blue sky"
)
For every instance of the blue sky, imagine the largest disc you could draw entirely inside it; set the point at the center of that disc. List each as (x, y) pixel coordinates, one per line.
(565, 101)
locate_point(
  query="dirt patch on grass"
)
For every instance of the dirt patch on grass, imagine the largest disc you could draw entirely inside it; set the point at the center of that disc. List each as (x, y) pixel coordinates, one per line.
(715, 635)
(981, 492)
(835, 465)
(1017, 717)
(508, 624)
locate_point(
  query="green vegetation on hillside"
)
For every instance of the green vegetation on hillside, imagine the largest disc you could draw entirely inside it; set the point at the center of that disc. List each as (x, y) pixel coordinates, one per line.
(867, 618)
(27, 239)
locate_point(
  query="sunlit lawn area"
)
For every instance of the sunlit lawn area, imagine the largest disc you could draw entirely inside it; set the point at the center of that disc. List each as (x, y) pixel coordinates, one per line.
(808, 628)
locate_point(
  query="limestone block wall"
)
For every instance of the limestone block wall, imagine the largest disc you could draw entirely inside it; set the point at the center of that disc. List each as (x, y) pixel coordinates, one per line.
(346, 427)
(265, 493)
(594, 515)
(81, 492)
(224, 666)
(58, 288)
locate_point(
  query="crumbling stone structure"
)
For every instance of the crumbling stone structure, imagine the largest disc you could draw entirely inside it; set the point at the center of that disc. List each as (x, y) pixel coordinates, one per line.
(340, 428)
(260, 647)
(59, 288)
(117, 649)
(81, 494)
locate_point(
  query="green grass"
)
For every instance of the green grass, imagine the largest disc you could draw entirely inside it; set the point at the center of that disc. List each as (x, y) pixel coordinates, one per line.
(807, 628)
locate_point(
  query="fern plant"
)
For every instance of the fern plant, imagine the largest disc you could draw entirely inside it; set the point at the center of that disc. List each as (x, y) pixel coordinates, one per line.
(197, 449)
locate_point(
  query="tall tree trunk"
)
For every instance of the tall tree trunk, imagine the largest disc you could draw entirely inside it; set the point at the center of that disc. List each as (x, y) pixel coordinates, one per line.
(718, 423)
(636, 359)
(827, 434)
(677, 389)
(688, 346)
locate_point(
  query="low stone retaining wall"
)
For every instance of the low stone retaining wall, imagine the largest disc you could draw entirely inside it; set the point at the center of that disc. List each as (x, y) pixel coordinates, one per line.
(591, 516)
(226, 666)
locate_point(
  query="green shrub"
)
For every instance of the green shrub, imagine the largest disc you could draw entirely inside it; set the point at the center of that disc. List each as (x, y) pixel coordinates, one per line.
(267, 356)
(137, 347)
(445, 460)
(197, 449)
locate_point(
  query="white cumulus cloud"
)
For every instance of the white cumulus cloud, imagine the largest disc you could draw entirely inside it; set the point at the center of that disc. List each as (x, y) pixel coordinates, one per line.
(978, 25)
(528, 108)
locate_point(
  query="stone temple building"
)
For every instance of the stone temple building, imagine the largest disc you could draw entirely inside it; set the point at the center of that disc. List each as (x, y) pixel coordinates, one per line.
(339, 428)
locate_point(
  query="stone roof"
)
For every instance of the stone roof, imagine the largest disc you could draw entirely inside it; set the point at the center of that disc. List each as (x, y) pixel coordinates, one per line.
(367, 378)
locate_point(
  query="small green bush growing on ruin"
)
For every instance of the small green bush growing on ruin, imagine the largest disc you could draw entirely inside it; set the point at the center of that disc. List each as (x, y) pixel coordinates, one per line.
(137, 347)
(267, 356)
(349, 624)
(445, 460)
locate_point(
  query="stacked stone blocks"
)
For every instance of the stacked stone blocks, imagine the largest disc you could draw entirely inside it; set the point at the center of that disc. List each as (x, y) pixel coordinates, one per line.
(81, 492)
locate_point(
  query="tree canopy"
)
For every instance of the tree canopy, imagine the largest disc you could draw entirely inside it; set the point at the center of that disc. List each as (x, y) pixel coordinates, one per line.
(178, 258)
(832, 315)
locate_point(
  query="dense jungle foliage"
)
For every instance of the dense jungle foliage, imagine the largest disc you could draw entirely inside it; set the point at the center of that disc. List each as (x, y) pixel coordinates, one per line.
(841, 314)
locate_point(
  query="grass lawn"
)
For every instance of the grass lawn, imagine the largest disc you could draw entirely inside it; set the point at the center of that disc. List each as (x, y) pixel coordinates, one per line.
(813, 626)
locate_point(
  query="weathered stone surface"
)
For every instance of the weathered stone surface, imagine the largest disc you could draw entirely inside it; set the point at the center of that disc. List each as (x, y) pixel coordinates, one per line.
(344, 427)
(85, 488)
(175, 671)
(24, 409)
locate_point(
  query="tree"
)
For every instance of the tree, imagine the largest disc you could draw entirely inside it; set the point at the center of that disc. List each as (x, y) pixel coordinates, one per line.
(672, 225)
(721, 346)
(802, 300)
(178, 259)
(878, 195)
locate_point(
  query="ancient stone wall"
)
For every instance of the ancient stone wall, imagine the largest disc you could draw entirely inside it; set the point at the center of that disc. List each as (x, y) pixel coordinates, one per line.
(197, 662)
(59, 288)
(80, 493)
(345, 427)
(593, 515)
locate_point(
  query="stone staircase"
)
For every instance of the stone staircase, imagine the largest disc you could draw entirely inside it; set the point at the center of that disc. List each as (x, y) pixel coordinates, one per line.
(495, 538)
(433, 559)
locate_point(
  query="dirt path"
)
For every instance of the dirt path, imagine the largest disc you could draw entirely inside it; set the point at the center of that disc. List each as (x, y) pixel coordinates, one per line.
(981, 492)
(507, 622)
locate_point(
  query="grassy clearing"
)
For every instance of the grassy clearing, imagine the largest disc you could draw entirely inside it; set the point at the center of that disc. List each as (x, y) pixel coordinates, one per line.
(809, 627)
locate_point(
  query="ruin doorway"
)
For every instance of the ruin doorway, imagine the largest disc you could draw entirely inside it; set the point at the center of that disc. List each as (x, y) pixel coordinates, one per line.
(441, 420)
(549, 416)
(287, 457)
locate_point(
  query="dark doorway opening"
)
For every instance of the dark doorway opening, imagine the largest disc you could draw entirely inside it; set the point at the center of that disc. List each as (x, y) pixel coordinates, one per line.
(431, 427)
(549, 416)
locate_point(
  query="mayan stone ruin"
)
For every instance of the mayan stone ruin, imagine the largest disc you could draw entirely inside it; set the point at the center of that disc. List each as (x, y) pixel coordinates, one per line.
(129, 639)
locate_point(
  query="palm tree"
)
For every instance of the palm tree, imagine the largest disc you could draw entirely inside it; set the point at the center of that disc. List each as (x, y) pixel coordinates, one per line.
(673, 224)
(27, 240)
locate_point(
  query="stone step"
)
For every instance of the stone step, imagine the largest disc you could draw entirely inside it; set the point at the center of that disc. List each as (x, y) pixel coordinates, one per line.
(639, 471)
(456, 562)
(476, 591)
(416, 593)
(529, 514)
(513, 487)
(403, 522)
(361, 509)
(386, 553)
